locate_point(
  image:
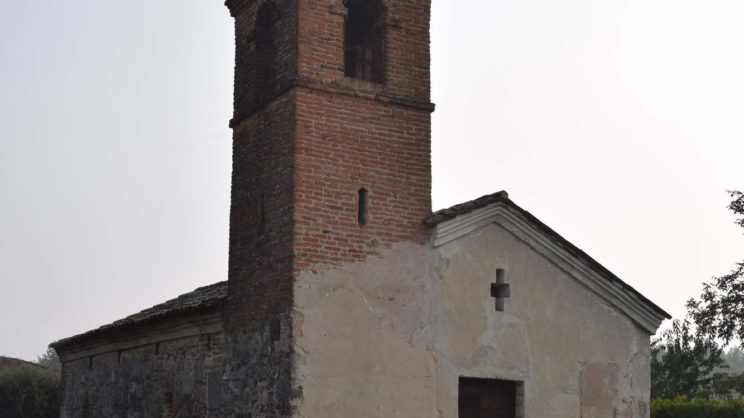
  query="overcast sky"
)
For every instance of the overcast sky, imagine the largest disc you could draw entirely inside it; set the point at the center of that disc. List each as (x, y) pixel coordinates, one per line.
(617, 123)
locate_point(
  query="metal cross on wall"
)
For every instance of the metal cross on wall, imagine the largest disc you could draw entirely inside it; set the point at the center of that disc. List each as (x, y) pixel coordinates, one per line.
(501, 290)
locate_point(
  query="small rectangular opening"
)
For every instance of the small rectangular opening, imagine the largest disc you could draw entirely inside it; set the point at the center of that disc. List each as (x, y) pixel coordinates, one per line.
(490, 398)
(362, 207)
(261, 229)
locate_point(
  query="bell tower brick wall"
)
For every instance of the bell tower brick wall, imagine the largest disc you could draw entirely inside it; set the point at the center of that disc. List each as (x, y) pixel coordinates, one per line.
(347, 143)
(306, 140)
(303, 151)
(258, 328)
(313, 138)
(353, 134)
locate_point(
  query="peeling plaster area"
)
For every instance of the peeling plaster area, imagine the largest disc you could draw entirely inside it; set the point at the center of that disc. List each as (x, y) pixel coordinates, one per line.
(391, 336)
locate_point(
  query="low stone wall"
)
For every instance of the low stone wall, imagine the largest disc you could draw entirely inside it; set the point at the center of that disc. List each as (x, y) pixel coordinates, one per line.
(180, 377)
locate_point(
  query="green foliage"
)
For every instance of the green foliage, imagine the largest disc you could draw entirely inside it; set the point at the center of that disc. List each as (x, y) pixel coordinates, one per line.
(29, 393)
(683, 408)
(719, 313)
(687, 362)
(737, 206)
(683, 363)
(728, 386)
(50, 360)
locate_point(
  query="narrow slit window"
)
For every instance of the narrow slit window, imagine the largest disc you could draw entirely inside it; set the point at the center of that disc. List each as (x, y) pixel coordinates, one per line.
(261, 230)
(362, 209)
(264, 50)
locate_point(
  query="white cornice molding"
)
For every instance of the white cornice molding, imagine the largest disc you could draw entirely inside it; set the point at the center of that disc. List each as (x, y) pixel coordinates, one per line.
(613, 292)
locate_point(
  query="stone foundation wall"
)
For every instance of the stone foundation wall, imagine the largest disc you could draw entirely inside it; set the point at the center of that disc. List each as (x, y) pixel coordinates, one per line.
(176, 378)
(244, 374)
(258, 372)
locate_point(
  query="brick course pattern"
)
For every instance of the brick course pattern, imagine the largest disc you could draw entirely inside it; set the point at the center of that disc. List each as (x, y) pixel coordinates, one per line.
(321, 137)
(303, 146)
(346, 143)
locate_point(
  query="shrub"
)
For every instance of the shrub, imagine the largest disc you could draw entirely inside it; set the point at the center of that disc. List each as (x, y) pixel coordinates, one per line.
(683, 408)
(29, 393)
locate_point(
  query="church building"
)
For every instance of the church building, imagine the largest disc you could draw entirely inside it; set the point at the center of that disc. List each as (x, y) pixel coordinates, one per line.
(346, 297)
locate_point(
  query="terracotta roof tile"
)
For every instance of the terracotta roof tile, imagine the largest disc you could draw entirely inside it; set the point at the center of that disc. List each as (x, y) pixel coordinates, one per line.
(203, 298)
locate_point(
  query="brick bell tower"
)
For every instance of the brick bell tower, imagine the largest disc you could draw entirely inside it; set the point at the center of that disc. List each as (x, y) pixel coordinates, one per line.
(331, 159)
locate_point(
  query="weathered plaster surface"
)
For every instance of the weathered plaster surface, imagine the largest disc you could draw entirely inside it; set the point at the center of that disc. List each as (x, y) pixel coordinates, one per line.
(389, 337)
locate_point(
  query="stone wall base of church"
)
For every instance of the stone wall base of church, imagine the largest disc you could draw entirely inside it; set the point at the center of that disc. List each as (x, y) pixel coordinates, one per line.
(181, 377)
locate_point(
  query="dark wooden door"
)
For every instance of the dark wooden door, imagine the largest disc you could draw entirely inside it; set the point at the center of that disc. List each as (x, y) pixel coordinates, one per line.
(486, 398)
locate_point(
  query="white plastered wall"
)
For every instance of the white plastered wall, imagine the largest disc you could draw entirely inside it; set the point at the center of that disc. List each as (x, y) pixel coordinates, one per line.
(390, 336)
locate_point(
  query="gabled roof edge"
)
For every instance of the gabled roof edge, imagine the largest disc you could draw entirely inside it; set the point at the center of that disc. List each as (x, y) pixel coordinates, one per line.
(451, 223)
(204, 299)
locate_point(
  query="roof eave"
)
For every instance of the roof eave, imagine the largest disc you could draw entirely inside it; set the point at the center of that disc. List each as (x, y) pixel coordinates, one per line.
(452, 223)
